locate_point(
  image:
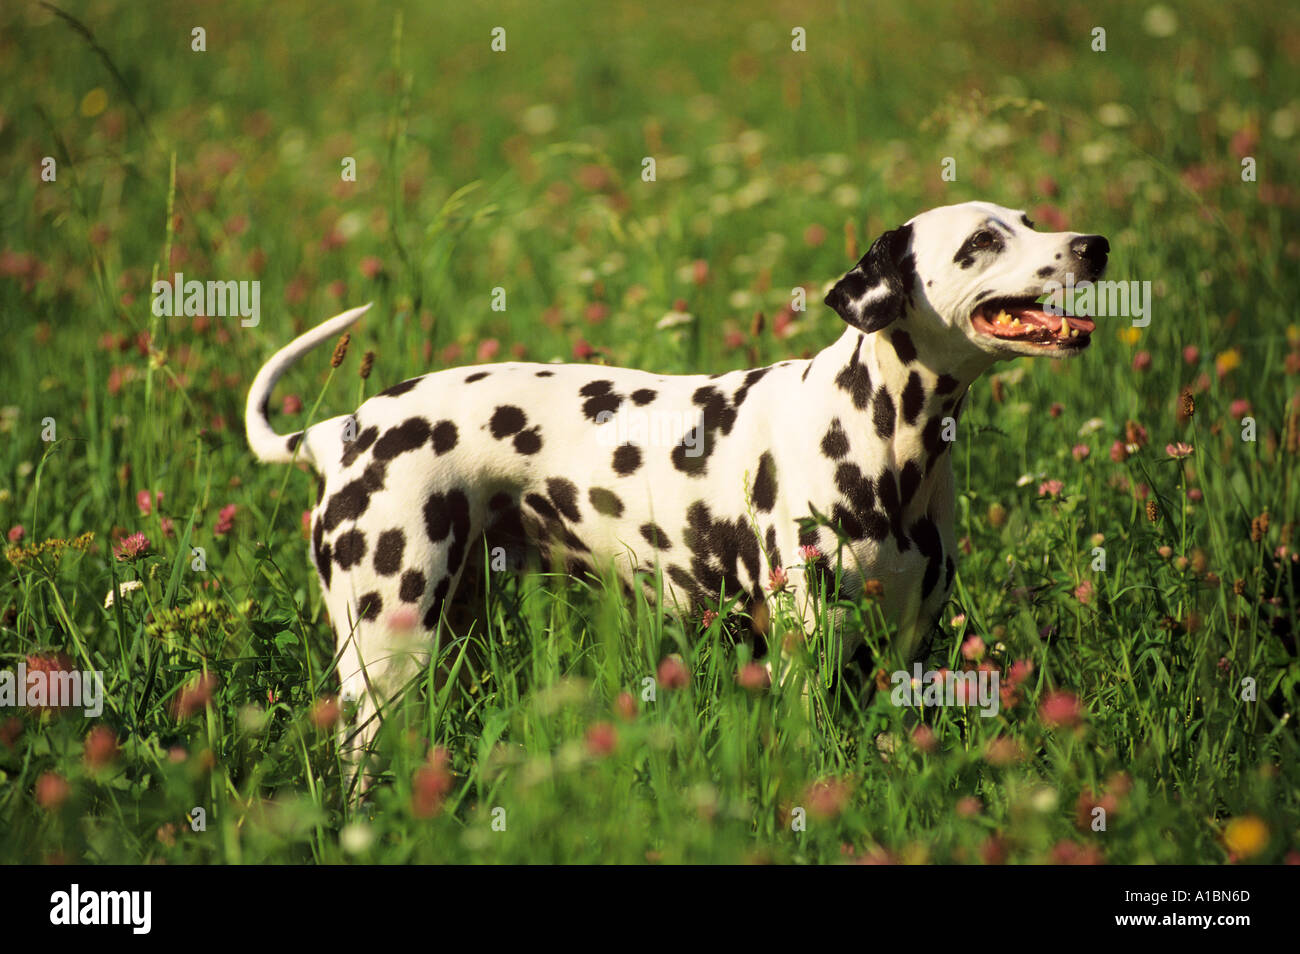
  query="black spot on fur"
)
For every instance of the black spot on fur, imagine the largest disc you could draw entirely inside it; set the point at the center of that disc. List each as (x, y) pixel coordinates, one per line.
(321, 550)
(945, 384)
(293, 441)
(445, 436)
(903, 346)
(359, 445)
(564, 494)
(434, 613)
(407, 436)
(397, 390)
(852, 484)
(370, 606)
(388, 552)
(752, 378)
(836, 443)
(348, 504)
(349, 548)
(545, 374)
(605, 502)
(773, 551)
(412, 586)
(458, 505)
(883, 414)
(601, 399)
(529, 441)
(506, 420)
(627, 458)
(855, 378)
(926, 535)
(765, 484)
(542, 506)
(909, 480)
(655, 536)
(643, 396)
(477, 376)
(500, 501)
(887, 492)
(913, 398)
(1046, 270)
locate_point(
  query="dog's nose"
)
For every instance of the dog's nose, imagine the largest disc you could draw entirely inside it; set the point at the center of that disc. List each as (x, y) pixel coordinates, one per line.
(1092, 249)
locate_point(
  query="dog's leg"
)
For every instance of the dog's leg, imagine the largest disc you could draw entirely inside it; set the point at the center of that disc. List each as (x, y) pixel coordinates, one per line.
(386, 637)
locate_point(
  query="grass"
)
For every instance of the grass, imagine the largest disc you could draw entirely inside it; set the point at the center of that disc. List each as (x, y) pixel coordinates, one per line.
(522, 170)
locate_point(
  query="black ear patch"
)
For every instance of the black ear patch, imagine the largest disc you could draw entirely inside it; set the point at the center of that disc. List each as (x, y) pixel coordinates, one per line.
(875, 291)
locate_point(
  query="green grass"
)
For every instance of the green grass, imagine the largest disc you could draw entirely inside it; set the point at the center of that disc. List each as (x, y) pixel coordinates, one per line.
(522, 170)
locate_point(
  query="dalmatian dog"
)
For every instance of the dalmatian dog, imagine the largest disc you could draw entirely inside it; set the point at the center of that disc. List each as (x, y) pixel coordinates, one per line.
(417, 480)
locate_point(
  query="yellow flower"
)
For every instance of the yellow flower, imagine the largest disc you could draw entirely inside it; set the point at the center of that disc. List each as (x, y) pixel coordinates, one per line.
(1130, 335)
(1228, 361)
(1246, 836)
(94, 102)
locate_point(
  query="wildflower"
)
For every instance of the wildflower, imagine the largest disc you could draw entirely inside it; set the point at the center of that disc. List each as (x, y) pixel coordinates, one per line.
(1239, 408)
(777, 580)
(809, 553)
(754, 677)
(973, 649)
(225, 520)
(1227, 362)
(1191, 354)
(1135, 433)
(1178, 450)
(1080, 451)
(826, 798)
(131, 547)
(1061, 709)
(1002, 751)
(1142, 361)
(1050, 488)
(1083, 592)
(52, 790)
(923, 738)
(1246, 836)
(430, 784)
(16, 533)
(372, 267)
(325, 712)
(291, 404)
(1119, 452)
(100, 747)
(602, 739)
(195, 696)
(487, 350)
(709, 617)
(968, 806)
(997, 515)
(673, 674)
(625, 706)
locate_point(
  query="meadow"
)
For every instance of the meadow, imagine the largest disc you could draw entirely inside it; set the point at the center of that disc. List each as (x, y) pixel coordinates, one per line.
(1158, 684)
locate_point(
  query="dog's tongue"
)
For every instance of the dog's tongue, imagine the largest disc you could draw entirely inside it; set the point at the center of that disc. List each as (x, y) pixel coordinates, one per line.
(1036, 317)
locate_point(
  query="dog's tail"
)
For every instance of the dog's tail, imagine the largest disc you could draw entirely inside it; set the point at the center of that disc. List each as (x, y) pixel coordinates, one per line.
(267, 445)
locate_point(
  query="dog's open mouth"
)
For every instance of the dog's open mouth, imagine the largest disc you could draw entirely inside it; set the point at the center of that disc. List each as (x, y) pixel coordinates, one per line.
(1025, 321)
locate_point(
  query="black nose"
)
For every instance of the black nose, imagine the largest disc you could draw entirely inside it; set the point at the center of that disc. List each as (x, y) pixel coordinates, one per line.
(1092, 249)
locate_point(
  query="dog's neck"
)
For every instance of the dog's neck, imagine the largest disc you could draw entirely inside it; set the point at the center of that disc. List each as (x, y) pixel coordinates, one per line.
(907, 395)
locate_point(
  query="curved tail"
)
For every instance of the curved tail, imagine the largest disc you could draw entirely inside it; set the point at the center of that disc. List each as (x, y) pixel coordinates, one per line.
(267, 445)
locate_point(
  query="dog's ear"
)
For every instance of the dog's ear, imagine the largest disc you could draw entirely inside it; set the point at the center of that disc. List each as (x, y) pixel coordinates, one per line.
(875, 291)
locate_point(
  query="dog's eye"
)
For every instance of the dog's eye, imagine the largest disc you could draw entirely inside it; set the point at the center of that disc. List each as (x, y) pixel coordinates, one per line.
(981, 240)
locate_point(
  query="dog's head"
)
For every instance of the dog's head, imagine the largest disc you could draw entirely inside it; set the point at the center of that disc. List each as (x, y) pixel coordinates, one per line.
(978, 271)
